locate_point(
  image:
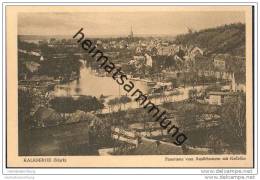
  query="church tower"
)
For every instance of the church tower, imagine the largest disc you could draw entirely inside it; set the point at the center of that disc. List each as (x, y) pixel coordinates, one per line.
(131, 35)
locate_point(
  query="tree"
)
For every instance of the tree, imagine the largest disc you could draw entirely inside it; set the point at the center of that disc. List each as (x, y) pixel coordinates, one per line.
(70, 105)
(113, 102)
(124, 100)
(64, 104)
(26, 45)
(175, 82)
(233, 116)
(192, 94)
(88, 103)
(195, 120)
(64, 66)
(223, 39)
(24, 106)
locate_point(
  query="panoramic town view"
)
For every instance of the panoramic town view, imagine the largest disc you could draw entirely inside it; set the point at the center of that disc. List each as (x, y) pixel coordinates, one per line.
(68, 105)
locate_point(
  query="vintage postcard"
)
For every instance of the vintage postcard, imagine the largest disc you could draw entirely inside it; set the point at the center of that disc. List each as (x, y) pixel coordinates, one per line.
(129, 86)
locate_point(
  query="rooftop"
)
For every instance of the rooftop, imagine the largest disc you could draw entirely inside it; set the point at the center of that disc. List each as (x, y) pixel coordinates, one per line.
(221, 93)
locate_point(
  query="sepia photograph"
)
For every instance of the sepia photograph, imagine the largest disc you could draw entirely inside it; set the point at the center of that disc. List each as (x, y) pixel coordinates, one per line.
(123, 83)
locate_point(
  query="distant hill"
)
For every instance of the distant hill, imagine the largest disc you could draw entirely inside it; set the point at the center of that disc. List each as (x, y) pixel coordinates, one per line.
(223, 39)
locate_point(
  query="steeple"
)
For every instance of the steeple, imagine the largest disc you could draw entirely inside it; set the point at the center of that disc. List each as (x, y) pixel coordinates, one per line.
(131, 35)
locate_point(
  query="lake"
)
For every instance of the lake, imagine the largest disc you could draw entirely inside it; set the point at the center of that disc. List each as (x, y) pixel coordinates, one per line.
(91, 84)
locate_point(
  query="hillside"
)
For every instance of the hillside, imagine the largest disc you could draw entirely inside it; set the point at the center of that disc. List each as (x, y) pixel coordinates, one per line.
(223, 39)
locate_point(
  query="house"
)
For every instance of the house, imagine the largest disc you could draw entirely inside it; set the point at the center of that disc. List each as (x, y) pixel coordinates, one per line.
(139, 50)
(166, 51)
(105, 151)
(171, 74)
(149, 60)
(41, 58)
(112, 54)
(122, 135)
(139, 59)
(149, 129)
(131, 46)
(165, 44)
(226, 75)
(218, 97)
(33, 53)
(22, 51)
(99, 42)
(219, 62)
(202, 62)
(41, 78)
(196, 51)
(240, 87)
(152, 50)
(105, 45)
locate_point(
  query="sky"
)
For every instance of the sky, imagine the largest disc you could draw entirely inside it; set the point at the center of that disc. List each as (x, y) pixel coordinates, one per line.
(119, 23)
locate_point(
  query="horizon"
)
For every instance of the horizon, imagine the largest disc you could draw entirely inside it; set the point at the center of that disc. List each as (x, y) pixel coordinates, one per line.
(123, 35)
(105, 35)
(143, 23)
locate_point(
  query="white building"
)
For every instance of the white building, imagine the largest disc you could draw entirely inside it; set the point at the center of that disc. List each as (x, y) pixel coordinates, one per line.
(218, 98)
(149, 60)
(219, 63)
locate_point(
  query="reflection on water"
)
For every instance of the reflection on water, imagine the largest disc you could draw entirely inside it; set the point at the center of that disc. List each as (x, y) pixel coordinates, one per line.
(93, 85)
